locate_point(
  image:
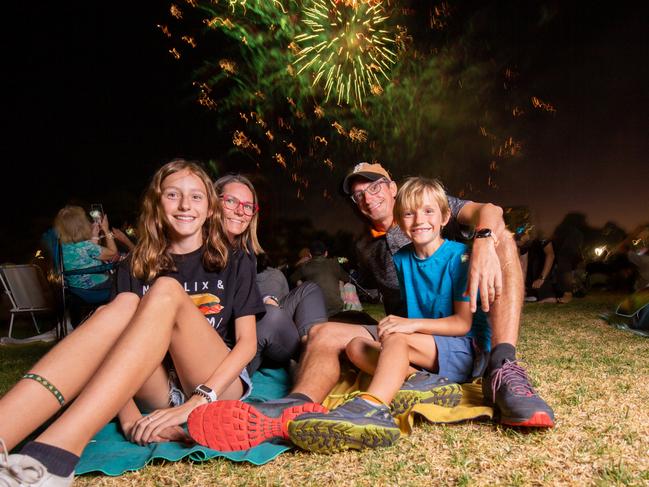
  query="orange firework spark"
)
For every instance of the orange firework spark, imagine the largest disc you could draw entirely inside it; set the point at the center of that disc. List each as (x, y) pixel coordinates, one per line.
(540, 104)
(191, 2)
(174, 52)
(280, 160)
(318, 111)
(189, 40)
(358, 135)
(517, 112)
(243, 116)
(270, 135)
(239, 139)
(320, 139)
(219, 21)
(175, 11)
(165, 30)
(439, 15)
(291, 147)
(228, 66)
(339, 128)
(204, 98)
(329, 163)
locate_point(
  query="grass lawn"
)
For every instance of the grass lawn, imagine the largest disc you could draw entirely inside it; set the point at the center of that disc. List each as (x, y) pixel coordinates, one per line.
(595, 377)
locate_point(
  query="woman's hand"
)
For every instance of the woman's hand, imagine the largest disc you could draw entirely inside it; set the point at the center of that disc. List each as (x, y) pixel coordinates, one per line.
(538, 283)
(104, 224)
(396, 324)
(95, 231)
(120, 236)
(164, 424)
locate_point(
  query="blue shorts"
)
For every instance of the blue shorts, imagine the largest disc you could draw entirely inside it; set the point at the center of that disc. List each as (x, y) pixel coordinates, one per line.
(455, 356)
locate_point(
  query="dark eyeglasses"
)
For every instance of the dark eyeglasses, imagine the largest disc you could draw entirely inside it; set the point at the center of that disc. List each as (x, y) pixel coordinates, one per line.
(232, 203)
(373, 188)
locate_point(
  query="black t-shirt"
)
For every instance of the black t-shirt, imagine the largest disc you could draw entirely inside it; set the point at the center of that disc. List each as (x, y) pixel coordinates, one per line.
(221, 296)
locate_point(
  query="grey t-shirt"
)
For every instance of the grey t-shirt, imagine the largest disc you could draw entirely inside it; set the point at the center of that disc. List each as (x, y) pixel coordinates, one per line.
(272, 282)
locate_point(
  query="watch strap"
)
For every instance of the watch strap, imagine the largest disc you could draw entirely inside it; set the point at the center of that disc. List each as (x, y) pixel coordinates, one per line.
(206, 392)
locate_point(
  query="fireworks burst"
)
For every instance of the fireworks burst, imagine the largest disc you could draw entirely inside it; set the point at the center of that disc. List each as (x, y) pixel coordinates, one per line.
(346, 48)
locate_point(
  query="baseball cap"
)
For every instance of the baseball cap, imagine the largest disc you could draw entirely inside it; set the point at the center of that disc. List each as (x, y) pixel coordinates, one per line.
(372, 172)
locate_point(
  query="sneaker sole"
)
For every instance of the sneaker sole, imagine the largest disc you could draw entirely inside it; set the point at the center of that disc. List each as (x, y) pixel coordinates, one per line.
(331, 436)
(236, 425)
(539, 419)
(448, 395)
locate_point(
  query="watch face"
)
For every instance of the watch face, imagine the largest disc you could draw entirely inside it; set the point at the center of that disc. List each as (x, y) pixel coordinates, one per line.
(205, 389)
(483, 232)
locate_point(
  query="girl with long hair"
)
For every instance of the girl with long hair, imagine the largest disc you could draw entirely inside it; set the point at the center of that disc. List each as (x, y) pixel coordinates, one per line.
(179, 294)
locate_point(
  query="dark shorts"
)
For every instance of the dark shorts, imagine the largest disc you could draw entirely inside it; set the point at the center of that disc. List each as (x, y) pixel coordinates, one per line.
(359, 318)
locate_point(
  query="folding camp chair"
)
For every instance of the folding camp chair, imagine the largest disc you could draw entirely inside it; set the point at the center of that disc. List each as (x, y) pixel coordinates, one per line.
(75, 304)
(28, 292)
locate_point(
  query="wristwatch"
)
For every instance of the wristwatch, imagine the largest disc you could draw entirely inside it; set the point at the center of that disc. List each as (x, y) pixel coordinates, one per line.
(482, 233)
(206, 392)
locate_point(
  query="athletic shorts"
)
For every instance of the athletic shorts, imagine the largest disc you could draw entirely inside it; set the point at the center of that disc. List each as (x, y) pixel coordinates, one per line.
(455, 356)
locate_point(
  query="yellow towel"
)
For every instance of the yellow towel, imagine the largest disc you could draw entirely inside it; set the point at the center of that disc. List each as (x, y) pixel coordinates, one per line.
(470, 407)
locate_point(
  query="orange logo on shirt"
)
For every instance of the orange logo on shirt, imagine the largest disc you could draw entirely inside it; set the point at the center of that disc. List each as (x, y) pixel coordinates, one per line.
(207, 303)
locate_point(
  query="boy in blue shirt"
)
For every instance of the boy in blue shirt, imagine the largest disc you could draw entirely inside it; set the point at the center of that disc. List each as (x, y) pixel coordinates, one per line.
(435, 345)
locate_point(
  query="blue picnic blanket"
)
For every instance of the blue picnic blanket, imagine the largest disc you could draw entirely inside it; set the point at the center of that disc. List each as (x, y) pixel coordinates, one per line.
(112, 454)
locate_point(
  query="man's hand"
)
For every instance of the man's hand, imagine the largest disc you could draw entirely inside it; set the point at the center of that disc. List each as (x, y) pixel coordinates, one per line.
(538, 283)
(396, 324)
(485, 274)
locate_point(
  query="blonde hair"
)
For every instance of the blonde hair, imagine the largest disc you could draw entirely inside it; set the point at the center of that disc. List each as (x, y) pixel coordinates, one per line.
(248, 239)
(72, 224)
(151, 255)
(411, 196)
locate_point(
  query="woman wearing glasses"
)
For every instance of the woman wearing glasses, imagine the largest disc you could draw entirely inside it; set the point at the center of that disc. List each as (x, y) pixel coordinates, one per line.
(287, 319)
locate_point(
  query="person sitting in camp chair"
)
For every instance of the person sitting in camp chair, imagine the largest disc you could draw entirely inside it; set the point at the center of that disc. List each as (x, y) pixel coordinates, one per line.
(80, 248)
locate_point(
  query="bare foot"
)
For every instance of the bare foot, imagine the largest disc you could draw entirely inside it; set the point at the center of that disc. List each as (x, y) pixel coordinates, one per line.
(549, 300)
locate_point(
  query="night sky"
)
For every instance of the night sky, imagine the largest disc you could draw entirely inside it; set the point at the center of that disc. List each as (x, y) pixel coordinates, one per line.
(94, 104)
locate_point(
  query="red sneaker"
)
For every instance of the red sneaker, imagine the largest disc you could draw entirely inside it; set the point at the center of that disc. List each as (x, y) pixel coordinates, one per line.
(237, 425)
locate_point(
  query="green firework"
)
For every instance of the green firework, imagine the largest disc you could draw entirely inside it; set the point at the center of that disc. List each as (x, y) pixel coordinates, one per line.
(346, 48)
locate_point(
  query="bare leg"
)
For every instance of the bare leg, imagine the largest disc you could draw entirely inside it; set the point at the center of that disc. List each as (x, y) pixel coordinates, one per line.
(506, 310)
(390, 360)
(68, 366)
(392, 368)
(166, 313)
(320, 364)
(364, 354)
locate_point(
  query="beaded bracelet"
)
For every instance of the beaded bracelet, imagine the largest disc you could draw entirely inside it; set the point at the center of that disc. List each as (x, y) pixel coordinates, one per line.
(50, 387)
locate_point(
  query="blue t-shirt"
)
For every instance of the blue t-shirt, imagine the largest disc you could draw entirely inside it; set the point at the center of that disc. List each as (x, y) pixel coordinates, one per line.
(430, 286)
(82, 255)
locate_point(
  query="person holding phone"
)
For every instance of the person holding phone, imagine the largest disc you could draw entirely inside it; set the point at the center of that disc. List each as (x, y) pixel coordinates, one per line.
(80, 246)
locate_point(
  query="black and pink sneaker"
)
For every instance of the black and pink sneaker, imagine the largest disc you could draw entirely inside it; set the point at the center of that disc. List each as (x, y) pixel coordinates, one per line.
(237, 425)
(508, 390)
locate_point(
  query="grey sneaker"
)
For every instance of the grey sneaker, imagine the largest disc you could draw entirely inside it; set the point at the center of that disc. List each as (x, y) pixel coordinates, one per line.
(17, 470)
(355, 424)
(428, 388)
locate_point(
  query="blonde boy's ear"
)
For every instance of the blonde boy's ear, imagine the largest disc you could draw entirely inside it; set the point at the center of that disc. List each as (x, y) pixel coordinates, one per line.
(446, 218)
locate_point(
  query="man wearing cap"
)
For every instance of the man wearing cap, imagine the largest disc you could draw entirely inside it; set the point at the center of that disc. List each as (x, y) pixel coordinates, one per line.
(494, 272)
